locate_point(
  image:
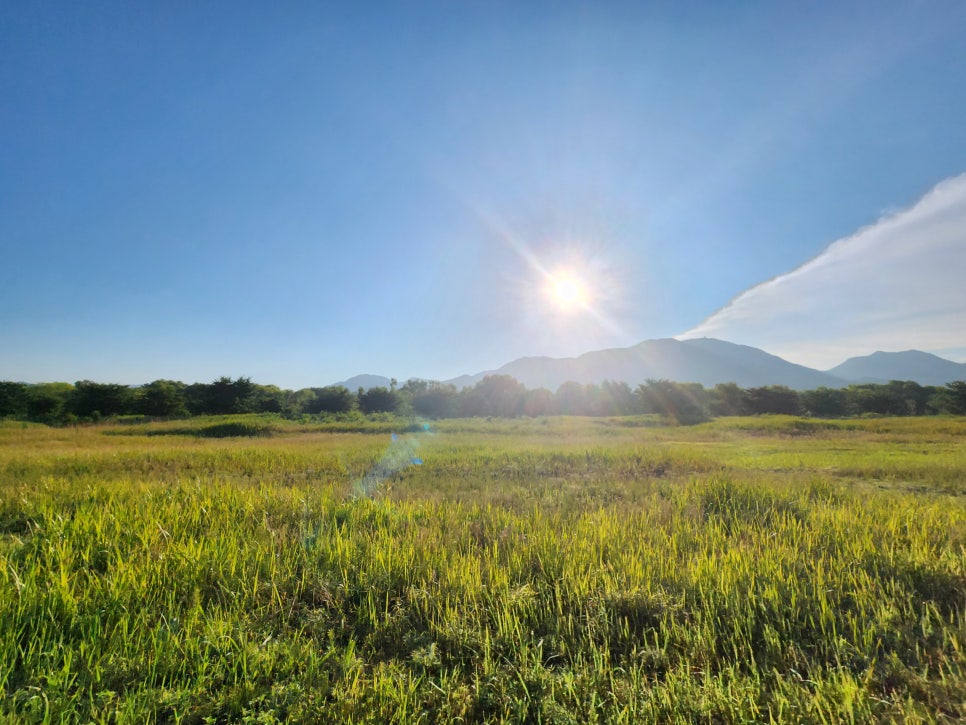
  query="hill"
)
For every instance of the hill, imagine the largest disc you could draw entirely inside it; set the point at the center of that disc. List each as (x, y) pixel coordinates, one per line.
(703, 360)
(881, 367)
(365, 381)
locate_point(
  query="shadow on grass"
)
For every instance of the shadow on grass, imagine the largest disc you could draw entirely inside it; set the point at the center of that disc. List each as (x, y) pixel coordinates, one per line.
(218, 430)
(257, 428)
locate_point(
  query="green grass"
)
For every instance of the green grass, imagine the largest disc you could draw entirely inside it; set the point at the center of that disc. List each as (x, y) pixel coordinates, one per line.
(555, 570)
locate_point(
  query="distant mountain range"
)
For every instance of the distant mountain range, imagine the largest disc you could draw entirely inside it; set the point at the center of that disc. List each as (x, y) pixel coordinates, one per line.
(704, 361)
(365, 382)
(709, 362)
(881, 367)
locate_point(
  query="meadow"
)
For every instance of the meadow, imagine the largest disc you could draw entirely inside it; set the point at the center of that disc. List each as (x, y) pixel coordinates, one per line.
(550, 570)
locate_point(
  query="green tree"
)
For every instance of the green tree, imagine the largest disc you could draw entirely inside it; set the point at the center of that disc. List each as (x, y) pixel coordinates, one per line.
(538, 402)
(430, 399)
(93, 400)
(615, 398)
(225, 396)
(378, 400)
(953, 398)
(914, 397)
(13, 399)
(298, 400)
(825, 402)
(727, 399)
(573, 398)
(775, 399)
(47, 402)
(500, 396)
(683, 402)
(162, 399)
(330, 399)
(875, 398)
(268, 399)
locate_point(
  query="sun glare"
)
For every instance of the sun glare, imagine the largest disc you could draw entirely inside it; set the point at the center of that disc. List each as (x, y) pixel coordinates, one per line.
(568, 292)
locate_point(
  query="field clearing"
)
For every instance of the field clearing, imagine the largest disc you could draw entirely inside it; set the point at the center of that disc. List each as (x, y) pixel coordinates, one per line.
(558, 570)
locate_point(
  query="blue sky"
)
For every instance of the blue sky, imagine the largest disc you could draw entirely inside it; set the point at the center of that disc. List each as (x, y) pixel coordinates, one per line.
(303, 192)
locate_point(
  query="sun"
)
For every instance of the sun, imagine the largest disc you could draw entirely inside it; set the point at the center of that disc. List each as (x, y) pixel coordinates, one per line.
(568, 292)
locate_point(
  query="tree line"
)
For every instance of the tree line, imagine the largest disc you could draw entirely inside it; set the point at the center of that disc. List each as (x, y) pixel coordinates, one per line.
(495, 395)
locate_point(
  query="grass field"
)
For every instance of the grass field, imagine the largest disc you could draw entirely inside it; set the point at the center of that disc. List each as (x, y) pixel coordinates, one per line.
(553, 570)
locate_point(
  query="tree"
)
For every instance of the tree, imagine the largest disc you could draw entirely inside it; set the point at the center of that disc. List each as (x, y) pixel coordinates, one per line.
(538, 402)
(47, 402)
(162, 399)
(684, 402)
(615, 398)
(267, 399)
(915, 397)
(13, 399)
(298, 400)
(196, 398)
(430, 399)
(775, 399)
(824, 402)
(953, 398)
(500, 396)
(330, 399)
(93, 400)
(571, 399)
(877, 399)
(225, 396)
(378, 400)
(727, 399)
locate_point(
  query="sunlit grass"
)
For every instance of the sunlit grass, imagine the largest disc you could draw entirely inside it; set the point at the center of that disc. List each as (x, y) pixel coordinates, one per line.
(556, 570)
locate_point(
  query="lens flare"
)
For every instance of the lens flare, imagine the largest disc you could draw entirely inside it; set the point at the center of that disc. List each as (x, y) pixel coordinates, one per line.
(400, 454)
(568, 292)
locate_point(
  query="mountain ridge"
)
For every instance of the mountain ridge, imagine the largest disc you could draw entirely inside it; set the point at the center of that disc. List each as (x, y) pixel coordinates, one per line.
(702, 360)
(364, 381)
(708, 361)
(881, 367)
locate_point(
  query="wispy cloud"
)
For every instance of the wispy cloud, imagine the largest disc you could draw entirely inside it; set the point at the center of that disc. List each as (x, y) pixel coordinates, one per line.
(897, 284)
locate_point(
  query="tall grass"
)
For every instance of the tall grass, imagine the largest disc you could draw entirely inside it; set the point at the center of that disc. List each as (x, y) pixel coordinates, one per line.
(559, 571)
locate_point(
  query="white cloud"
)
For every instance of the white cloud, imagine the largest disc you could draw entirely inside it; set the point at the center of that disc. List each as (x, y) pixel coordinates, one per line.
(895, 285)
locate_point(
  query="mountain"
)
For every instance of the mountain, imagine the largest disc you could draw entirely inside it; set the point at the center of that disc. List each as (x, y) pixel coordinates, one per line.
(707, 361)
(365, 381)
(881, 367)
(702, 360)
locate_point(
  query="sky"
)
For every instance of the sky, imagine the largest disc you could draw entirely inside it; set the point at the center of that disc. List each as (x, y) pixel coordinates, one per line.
(303, 192)
(895, 281)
